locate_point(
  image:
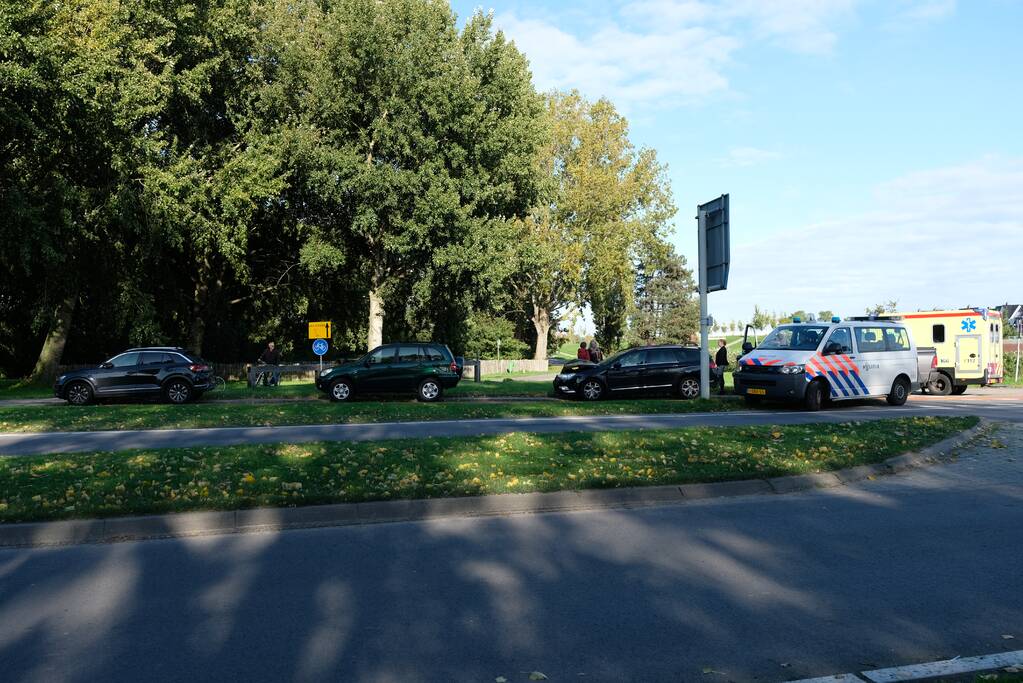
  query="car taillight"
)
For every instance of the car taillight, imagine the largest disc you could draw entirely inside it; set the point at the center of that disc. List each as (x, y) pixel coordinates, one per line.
(934, 361)
(198, 368)
(454, 367)
(713, 365)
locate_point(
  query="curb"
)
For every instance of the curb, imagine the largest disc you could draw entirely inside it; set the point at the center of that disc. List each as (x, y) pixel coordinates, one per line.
(119, 529)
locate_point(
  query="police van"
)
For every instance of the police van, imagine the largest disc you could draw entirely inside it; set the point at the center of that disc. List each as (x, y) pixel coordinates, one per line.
(813, 362)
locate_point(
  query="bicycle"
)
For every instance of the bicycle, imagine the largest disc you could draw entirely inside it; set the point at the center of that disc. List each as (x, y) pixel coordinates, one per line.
(219, 383)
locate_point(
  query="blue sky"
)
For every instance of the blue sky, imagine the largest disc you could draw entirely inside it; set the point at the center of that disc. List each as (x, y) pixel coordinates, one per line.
(873, 149)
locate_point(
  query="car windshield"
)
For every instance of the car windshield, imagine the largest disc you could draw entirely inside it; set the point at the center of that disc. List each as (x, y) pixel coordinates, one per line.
(794, 338)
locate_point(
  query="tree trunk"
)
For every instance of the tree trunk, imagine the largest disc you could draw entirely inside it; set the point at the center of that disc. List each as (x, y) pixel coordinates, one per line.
(375, 333)
(197, 330)
(53, 346)
(200, 299)
(542, 323)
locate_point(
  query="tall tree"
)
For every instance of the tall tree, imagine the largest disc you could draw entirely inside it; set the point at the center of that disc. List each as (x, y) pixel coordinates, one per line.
(666, 309)
(419, 147)
(79, 83)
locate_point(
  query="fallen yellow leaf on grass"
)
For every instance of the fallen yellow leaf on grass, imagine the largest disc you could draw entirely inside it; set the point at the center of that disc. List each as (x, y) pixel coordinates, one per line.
(248, 478)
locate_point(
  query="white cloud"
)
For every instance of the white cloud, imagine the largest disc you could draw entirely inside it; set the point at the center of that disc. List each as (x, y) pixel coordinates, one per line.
(945, 237)
(630, 67)
(744, 157)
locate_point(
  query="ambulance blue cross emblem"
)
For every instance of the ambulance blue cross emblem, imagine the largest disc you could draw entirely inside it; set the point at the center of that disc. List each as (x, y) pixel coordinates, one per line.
(969, 325)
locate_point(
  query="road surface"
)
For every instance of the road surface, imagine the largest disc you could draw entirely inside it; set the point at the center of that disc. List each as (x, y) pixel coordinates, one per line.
(907, 568)
(70, 442)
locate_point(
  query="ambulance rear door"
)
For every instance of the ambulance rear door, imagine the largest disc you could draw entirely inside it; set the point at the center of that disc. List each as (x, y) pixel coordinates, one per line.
(968, 354)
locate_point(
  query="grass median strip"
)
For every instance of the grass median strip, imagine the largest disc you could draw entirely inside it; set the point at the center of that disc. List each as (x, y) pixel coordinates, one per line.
(62, 418)
(177, 480)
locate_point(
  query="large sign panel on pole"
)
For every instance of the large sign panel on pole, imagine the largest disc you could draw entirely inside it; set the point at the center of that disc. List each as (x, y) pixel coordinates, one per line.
(717, 241)
(714, 256)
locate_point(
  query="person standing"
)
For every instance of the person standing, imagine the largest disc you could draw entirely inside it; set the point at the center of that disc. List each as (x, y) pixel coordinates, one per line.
(595, 353)
(721, 361)
(582, 353)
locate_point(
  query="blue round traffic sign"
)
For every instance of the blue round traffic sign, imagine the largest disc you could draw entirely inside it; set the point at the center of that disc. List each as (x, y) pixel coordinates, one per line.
(320, 347)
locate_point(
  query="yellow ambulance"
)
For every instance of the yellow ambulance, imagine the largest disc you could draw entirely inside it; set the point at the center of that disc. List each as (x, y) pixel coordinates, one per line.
(968, 343)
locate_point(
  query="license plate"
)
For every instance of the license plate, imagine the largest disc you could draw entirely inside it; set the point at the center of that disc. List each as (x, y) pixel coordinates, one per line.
(757, 392)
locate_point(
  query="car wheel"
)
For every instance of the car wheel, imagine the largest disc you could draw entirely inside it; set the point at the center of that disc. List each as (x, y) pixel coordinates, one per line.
(959, 390)
(815, 394)
(592, 390)
(177, 391)
(429, 391)
(688, 388)
(79, 394)
(940, 385)
(899, 392)
(340, 390)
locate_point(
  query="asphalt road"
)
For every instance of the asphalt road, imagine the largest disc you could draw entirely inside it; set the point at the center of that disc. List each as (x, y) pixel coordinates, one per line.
(903, 569)
(70, 442)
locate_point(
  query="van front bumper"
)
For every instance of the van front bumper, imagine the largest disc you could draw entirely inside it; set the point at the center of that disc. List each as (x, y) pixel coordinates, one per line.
(770, 385)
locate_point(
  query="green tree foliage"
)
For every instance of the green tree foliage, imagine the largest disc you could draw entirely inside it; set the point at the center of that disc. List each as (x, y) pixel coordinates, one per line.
(484, 333)
(215, 174)
(886, 307)
(666, 309)
(606, 205)
(825, 315)
(761, 319)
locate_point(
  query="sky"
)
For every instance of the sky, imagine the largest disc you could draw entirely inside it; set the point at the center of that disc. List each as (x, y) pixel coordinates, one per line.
(872, 150)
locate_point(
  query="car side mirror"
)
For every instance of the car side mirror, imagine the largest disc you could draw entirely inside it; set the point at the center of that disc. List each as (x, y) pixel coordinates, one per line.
(747, 347)
(107, 366)
(616, 366)
(368, 363)
(832, 348)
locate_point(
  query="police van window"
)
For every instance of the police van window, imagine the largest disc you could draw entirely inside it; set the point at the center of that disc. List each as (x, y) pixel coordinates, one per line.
(842, 337)
(870, 339)
(938, 334)
(794, 337)
(896, 339)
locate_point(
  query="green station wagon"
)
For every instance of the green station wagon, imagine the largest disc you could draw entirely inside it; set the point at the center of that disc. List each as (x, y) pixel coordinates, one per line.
(425, 368)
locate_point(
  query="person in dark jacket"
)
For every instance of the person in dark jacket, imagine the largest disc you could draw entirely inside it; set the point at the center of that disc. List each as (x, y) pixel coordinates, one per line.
(272, 356)
(582, 353)
(721, 361)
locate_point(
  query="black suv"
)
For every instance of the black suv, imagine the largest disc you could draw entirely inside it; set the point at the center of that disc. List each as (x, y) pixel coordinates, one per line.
(170, 373)
(425, 368)
(650, 370)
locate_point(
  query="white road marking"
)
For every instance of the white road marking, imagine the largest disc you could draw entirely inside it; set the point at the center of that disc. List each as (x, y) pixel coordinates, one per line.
(915, 672)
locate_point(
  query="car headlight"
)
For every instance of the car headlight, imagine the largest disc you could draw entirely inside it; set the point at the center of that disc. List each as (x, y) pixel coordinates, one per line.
(324, 373)
(60, 380)
(738, 368)
(565, 376)
(793, 369)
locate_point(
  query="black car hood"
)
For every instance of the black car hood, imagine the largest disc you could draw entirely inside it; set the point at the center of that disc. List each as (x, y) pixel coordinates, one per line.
(577, 366)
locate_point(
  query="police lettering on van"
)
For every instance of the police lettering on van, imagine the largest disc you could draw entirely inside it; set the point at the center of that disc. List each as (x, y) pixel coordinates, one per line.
(814, 362)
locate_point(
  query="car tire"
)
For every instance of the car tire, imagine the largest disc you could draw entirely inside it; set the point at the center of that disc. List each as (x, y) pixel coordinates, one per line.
(592, 390)
(79, 394)
(177, 391)
(340, 390)
(899, 393)
(816, 392)
(688, 388)
(940, 386)
(959, 390)
(429, 391)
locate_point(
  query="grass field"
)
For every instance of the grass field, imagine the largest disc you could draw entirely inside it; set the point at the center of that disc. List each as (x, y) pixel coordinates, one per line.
(177, 480)
(60, 417)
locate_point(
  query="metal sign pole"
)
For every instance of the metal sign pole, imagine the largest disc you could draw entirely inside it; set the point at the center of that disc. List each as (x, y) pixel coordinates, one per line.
(704, 332)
